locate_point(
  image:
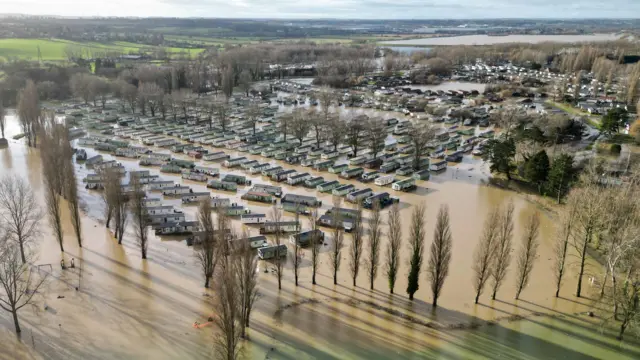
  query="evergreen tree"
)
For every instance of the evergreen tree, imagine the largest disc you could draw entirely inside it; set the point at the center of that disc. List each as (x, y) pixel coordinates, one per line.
(561, 175)
(501, 155)
(536, 169)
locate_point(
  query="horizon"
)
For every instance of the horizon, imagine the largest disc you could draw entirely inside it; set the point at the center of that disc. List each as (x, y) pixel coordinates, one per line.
(330, 9)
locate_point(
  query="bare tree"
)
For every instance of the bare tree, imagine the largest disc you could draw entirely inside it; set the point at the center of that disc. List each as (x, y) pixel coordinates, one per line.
(52, 164)
(111, 183)
(3, 120)
(19, 211)
(130, 94)
(244, 80)
(316, 242)
(276, 217)
(70, 185)
(416, 247)
(253, 114)
(284, 124)
(420, 137)
(483, 254)
(300, 124)
(375, 238)
(227, 311)
(151, 95)
(376, 134)
(588, 222)
(222, 112)
(355, 130)
(18, 281)
(565, 232)
(628, 300)
(29, 112)
(296, 249)
(206, 252)
(528, 253)
(503, 248)
(245, 267)
(440, 254)
(319, 123)
(139, 216)
(507, 119)
(355, 252)
(394, 246)
(336, 131)
(338, 238)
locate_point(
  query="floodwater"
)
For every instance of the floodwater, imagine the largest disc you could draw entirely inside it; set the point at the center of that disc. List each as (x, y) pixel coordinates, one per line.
(491, 40)
(126, 308)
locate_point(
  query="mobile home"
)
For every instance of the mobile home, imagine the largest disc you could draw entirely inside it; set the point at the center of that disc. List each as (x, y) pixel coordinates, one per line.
(306, 238)
(253, 218)
(236, 210)
(194, 176)
(328, 220)
(216, 156)
(150, 162)
(352, 173)
(158, 210)
(238, 179)
(150, 202)
(343, 190)
(259, 197)
(217, 202)
(248, 164)
(160, 185)
(207, 170)
(257, 168)
(313, 181)
(271, 227)
(271, 251)
(385, 180)
(301, 199)
(298, 179)
(322, 165)
(283, 175)
(181, 228)
(269, 189)
(176, 190)
(336, 169)
(254, 242)
(271, 170)
(438, 166)
(383, 200)
(165, 218)
(404, 185)
(369, 176)
(195, 197)
(422, 174)
(328, 186)
(389, 167)
(221, 185)
(359, 195)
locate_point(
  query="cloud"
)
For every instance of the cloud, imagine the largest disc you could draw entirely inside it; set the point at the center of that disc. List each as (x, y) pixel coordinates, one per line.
(346, 9)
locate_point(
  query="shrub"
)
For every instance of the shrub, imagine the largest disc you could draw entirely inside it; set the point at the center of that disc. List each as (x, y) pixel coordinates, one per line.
(616, 148)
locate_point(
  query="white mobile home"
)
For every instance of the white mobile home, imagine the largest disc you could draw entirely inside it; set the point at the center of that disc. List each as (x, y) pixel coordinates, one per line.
(253, 218)
(195, 197)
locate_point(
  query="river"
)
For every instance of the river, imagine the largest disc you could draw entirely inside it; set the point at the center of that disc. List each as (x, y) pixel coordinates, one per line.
(126, 308)
(492, 40)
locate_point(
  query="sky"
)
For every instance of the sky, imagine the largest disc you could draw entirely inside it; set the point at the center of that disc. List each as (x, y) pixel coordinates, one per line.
(343, 9)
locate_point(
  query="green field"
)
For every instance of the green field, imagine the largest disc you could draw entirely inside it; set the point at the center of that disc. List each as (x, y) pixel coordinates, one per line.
(54, 49)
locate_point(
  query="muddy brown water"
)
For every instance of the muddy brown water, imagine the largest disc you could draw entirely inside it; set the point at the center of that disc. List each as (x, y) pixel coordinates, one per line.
(127, 308)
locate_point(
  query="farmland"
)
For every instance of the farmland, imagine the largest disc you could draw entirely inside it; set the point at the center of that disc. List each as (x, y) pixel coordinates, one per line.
(54, 49)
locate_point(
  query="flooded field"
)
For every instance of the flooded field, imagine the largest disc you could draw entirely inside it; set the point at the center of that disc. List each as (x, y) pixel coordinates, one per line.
(490, 40)
(126, 308)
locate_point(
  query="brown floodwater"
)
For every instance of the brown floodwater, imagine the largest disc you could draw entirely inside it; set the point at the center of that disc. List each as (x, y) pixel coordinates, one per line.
(126, 308)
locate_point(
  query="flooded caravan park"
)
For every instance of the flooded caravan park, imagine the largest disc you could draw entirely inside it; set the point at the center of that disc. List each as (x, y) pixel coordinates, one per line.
(492, 40)
(127, 308)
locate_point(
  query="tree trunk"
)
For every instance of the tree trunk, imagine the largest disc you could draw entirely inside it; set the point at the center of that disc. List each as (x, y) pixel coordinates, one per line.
(206, 281)
(477, 297)
(583, 259)
(15, 321)
(435, 302)
(604, 282)
(623, 327)
(335, 278)
(410, 296)
(24, 259)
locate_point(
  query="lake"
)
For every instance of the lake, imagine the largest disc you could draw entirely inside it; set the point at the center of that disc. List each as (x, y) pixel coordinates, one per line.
(491, 40)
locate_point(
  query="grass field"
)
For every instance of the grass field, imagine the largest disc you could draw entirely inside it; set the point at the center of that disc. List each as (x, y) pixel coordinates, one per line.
(54, 49)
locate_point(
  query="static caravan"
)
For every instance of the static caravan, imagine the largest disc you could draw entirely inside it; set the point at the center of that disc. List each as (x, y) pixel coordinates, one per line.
(151, 202)
(151, 162)
(195, 197)
(307, 162)
(422, 174)
(254, 242)
(438, 166)
(389, 167)
(405, 171)
(185, 164)
(358, 195)
(313, 182)
(170, 169)
(298, 179)
(271, 251)
(373, 163)
(152, 139)
(124, 152)
(217, 202)
(454, 157)
(271, 227)
(193, 176)
(259, 197)
(253, 218)
(165, 142)
(359, 160)
(238, 179)
(236, 210)
(269, 189)
(283, 175)
(258, 168)
(322, 165)
(404, 185)
(94, 184)
(343, 190)
(328, 220)
(158, 210)
(351, 173)
(182, 228)
(220, 185)
(176, 190)
(92, 177)
(382, 199)
(105, 147)
(160, 185)
(384, 180)
(271, 170)
(344, 149)
(207, 170)
(306, 238)
(328, 186)
(256, 150)
(330, 155)
(248, 164)
(216, 156)
(301, 199)
(369, 176)
(337, 169)
(165, 218)
(160, 156)
(230, 163)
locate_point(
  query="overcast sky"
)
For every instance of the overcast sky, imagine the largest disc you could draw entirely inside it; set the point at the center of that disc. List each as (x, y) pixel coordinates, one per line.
(355, 9)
